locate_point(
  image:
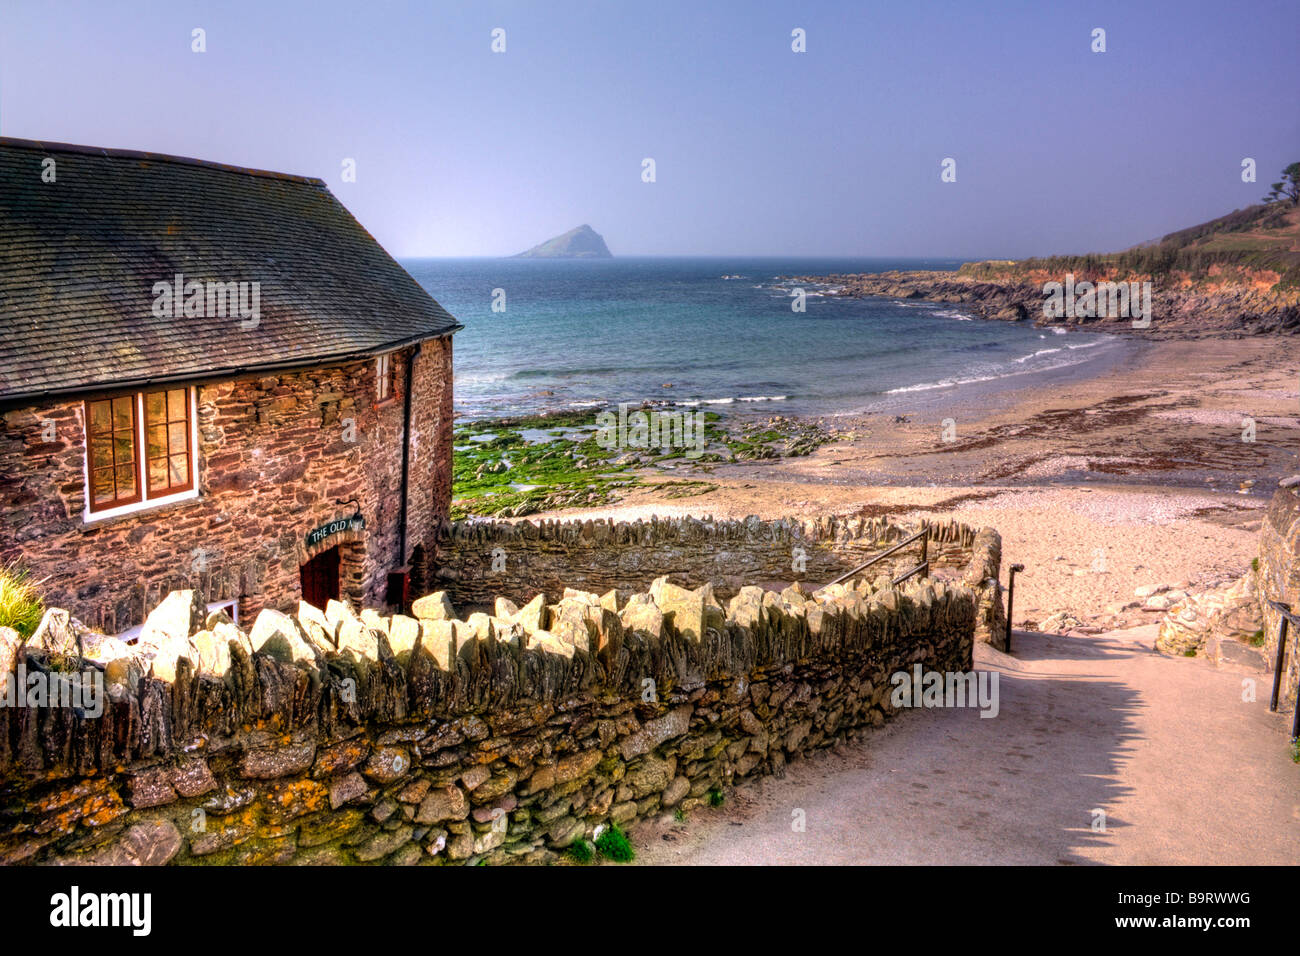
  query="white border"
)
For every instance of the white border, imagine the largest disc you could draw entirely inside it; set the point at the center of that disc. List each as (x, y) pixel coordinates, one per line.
(145, 503)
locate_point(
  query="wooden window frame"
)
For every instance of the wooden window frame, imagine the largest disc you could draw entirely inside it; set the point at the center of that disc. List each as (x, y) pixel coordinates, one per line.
(142, 499)
(168, 421)
(385, 380)
(112, 432)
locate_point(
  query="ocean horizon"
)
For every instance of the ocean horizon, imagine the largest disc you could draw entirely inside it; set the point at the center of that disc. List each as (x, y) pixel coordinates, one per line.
(720, 333)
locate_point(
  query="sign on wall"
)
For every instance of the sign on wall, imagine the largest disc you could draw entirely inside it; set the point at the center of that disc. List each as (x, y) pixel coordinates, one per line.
(337, 526)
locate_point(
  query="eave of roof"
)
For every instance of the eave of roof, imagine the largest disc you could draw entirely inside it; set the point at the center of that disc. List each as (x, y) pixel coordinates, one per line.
(23, 400)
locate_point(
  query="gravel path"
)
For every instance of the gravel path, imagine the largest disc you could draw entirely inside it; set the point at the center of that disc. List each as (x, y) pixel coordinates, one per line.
(1185, 771)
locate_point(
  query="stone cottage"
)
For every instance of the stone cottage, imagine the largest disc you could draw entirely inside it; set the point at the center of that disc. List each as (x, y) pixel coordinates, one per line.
(210, 377)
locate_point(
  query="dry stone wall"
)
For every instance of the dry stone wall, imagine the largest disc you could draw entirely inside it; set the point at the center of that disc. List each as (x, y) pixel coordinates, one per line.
(477, 560)
(333, 737)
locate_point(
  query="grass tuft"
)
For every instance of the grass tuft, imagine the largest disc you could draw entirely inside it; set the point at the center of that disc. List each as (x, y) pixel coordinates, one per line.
(614, 845)
(20, 604)
(580, 852)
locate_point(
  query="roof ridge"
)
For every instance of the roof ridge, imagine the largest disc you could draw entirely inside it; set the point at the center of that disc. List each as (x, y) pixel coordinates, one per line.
(52, 147)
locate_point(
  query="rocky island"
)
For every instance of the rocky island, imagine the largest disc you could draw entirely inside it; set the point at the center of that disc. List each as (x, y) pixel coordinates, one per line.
(580, 243)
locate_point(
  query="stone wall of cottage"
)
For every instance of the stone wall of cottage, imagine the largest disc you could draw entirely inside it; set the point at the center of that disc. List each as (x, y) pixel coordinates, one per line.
(274, 463)
(336, 738)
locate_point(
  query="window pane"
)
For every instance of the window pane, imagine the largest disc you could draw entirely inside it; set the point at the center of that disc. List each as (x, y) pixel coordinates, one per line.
(157, 441)
(101, 453)
(101, 418)
(177, 435)
(122, 417)
(125, 481)
(155, 407)
(157, 474)
(180, 470)
(124, 448)
(177, 408)
(102, 485)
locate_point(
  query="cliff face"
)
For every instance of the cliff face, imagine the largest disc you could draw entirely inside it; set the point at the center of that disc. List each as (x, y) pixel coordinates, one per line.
(1245, 304)
(1235, 275)
(580, 243)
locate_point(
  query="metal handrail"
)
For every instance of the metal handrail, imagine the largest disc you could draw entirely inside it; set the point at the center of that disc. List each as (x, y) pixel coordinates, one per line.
(1011, 598)
(922, 568)
(923, 535)
(1288, 617)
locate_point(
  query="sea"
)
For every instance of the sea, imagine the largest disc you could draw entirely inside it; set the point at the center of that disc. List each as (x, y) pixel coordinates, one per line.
(721, 334)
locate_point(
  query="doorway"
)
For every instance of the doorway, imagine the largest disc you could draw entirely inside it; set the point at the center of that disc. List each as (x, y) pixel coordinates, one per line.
(320, 578)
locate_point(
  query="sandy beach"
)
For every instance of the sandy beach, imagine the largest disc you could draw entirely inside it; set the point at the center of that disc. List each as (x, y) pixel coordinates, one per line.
(1138, 475)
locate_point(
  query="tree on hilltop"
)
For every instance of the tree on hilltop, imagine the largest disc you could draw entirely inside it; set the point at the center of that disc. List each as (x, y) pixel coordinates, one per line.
(1288, 190)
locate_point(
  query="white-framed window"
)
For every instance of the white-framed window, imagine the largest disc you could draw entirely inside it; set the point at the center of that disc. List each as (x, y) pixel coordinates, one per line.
(141, 450)
(384, 378)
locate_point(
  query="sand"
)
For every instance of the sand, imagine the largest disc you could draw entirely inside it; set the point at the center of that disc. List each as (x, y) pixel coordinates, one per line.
(1085, 725)
(1136, 476)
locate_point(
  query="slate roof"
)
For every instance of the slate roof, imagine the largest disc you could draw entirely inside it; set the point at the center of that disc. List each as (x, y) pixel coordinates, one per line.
(79, 258)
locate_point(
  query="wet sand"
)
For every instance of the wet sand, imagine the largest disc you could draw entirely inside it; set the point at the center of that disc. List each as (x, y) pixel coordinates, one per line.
(1137, 475)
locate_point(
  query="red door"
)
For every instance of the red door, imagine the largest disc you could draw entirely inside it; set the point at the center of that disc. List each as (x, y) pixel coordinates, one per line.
(320, 578)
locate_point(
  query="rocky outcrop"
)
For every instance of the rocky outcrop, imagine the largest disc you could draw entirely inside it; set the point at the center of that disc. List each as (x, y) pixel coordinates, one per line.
(1211, 622)
(1179, 309)
(337, 737)
(1278, 569)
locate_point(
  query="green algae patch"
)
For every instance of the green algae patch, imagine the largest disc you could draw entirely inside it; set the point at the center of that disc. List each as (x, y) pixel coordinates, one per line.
(512, 467)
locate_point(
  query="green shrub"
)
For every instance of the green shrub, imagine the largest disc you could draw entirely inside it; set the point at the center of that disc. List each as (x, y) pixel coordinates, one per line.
(614, 845)
(580, 852)
(20, 604)
(716, 797)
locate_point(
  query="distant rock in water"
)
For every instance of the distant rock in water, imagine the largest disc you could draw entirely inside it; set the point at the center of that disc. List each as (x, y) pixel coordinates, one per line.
(581, 243)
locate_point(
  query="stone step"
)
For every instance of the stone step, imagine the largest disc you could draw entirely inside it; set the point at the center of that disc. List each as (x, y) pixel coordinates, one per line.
(1227, 652)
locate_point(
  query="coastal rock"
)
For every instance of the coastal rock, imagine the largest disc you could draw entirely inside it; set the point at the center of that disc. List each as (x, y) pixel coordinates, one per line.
(1229, 614)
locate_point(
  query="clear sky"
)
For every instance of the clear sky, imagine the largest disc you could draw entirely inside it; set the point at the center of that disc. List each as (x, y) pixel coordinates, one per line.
(759, 150)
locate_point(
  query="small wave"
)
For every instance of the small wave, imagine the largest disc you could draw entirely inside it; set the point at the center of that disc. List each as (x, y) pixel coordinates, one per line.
(731, 401)
(953, 314)
(953, 382)
(1058, 331)
(1033, 355)
(947, 383)
(484, 378)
